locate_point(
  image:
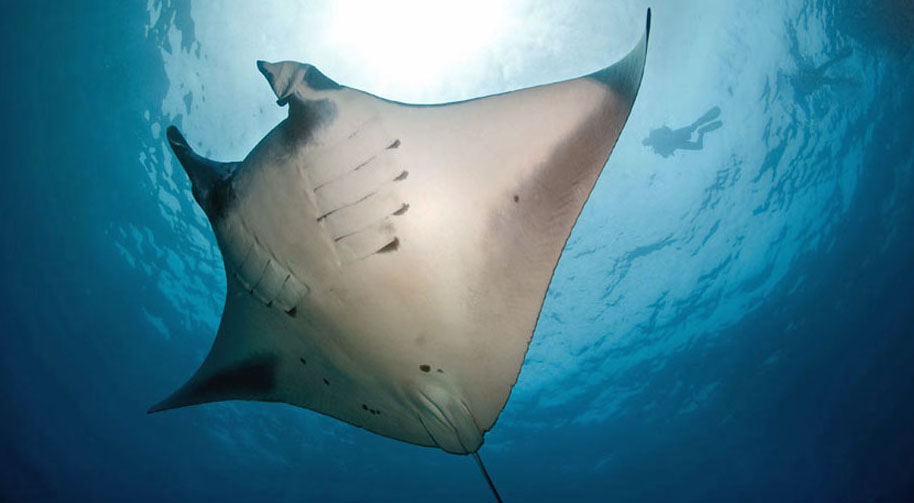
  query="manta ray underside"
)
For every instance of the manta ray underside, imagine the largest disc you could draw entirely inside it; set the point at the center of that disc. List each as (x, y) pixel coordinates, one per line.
(386, 262)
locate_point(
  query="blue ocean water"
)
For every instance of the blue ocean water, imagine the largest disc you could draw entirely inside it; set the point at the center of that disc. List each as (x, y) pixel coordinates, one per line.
(727, 323)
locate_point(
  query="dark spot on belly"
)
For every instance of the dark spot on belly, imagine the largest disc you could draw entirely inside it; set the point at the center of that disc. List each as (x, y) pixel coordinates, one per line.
(364, 407)
(402, 176)
(326, 382)
(394, 145)
(516, 198)
(424, 368)
(292, 312)
(303, 361)
(440, 371)
(402, 209)
(390, 247)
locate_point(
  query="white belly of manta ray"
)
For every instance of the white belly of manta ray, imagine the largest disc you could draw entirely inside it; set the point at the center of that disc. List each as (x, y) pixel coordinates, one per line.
(387, 262)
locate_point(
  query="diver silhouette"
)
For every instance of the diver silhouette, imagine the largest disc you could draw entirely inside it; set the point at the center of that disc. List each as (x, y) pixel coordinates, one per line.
(665, 141)
(810, 77)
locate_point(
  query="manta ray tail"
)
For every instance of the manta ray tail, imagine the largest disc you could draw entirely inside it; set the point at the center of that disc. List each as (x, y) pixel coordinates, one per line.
(485, 474)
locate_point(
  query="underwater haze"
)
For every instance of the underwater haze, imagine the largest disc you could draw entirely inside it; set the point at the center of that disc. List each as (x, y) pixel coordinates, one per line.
(731, 319)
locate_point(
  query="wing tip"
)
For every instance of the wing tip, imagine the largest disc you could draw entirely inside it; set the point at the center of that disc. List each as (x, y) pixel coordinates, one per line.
(647, 23)
(159, 407)
(252, 378)
(624, 76)
(176, 400)
(166, 404)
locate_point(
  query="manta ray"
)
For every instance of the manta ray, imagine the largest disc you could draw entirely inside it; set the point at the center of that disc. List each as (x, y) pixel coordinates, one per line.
(386, 263)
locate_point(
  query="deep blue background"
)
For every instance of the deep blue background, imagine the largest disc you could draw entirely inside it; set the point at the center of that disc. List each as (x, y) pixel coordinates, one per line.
(809, 394)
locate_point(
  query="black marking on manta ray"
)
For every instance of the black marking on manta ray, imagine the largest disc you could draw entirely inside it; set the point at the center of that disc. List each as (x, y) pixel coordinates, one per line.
(393, 245)
(292, 312)
(516, 198)
(366, 408)
(402, 176)
(402, 209)
(390, 247)
(359, 128)
(307, 117)
(325, 215)
(425, 367)
(387, 227)
(253, 377)
(344, 175)
(318, 81)
(326, 382)
(347, 173)
(303, 361)
(360, 166)
(394, 145)
(440, 371)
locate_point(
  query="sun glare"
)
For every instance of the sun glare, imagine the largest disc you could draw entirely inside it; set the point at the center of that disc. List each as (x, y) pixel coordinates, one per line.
(414, 45)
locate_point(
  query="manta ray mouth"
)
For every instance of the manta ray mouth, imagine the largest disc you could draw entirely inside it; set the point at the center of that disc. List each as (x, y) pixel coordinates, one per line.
(446, 418)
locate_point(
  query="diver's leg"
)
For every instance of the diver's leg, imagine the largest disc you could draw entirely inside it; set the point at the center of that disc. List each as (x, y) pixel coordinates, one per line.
(693, 145)
(708, 116)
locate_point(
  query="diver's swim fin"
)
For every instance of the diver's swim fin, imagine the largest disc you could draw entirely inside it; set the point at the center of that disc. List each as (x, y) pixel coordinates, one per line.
(710, 127)
(710, 115)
